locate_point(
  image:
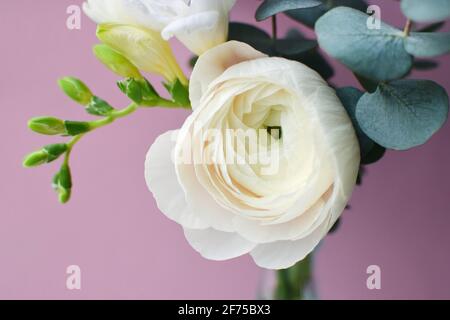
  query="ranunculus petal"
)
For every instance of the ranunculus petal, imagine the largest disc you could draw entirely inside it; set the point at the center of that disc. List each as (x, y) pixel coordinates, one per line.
(280, 217)
(218, 245)
(214, 62)
(284, 254)
(162, 181)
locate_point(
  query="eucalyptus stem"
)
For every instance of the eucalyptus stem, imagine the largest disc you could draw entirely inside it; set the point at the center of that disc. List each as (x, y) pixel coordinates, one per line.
(408, 27)
(274, 28)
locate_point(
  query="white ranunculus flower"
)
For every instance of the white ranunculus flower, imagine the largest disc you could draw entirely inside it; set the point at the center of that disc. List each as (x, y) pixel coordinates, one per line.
(198, 24)
(228, 209)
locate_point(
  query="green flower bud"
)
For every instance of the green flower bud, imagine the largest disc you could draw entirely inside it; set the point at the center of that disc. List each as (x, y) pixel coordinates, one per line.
(45, 155)
(64, 195)
(179, 93)
(144, 47)
(116, 62)
(132, 89)
(62, 183)
(47, 125)
(65, 177)
(74, 128)
(99, 107)
(76, 90)
(35, 159)
(140, 91)
(54, 151)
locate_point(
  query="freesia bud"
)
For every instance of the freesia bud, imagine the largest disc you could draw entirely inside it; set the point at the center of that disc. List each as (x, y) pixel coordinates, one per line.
(45, 155)
(76, 90)
(62, 183)
(144, 48)
(47, 125)
(35, 159)
(74, 128)
(99, 107)
(116, 62)
(140, 91)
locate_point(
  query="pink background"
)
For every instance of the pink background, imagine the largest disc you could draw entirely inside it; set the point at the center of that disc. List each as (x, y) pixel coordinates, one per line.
(400, 218)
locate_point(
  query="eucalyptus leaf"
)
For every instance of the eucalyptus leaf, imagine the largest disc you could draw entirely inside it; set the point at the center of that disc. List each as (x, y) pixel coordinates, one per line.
(424, 64)
(272, 7)
(403, 114)
(426, 11)
(432, 27)
(376, 153)
(309, 16)
(291, 47)
(312, 58)
(377, 54)
(349, 97)
(368, 84)
(424, 44)
(255, 37)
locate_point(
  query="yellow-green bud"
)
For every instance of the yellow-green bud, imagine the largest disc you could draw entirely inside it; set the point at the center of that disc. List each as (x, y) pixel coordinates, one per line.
(35, 159)
(62, 183)
(76, 90)
(64, 195)
(45, 155)
(116, 62)
(47, 125)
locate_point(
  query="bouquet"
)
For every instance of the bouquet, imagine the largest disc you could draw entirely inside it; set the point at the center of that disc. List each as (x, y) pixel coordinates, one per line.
(268, 158)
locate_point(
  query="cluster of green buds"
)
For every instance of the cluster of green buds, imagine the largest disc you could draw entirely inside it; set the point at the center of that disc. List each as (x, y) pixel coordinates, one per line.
(138, 89)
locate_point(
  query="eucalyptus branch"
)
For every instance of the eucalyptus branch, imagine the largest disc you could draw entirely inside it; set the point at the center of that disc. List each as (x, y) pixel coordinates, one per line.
(274, 28)
(407, 28)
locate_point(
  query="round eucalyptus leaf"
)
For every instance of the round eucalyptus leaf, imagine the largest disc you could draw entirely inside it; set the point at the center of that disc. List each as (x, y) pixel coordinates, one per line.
(257, 38)
(309, 16)
(376, 153)
(312, 58)
(377, 54)
(424, 64)
(368, 84)
(294, 47)
(271, 7)
(349, 97)
(432, 27)
(426, 11)
(424, 44)
(403, 114)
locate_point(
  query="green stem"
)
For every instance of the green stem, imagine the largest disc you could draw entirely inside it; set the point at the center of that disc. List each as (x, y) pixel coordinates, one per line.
(114, 116)
(292, 282)
(161, 102)
(100, 123)
(274, 28)
(407, 29)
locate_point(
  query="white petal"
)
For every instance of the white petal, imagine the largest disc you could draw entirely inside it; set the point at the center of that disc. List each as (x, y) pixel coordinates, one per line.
(214, 62)
(135, 12)
(218, 245)
(191, 24)
(284, 254)
(322, 105)
(162, 181)
(255, 231)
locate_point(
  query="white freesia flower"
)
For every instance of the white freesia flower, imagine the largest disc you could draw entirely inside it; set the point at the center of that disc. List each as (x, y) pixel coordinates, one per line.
(198, 24)
(230, 209)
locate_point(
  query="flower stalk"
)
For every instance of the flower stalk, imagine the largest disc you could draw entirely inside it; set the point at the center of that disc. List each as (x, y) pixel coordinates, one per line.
(293, 283)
